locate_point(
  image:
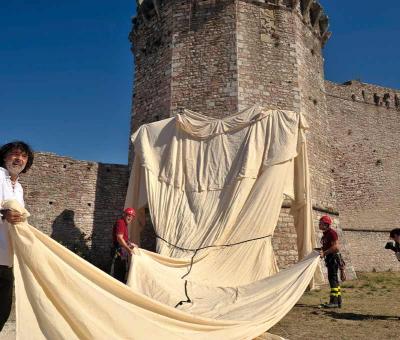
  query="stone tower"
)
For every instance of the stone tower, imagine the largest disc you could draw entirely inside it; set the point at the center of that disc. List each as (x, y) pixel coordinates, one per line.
(221, 56)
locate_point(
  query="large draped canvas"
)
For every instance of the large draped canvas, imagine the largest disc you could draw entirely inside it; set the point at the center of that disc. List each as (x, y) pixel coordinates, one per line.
(221, 182)
(214, 188)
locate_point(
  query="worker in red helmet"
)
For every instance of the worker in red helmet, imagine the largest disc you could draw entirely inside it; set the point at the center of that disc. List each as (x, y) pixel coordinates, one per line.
(122, 247)
(333, 260)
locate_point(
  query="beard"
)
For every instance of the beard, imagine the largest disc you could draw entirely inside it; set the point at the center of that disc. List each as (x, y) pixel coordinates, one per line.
(15, 168)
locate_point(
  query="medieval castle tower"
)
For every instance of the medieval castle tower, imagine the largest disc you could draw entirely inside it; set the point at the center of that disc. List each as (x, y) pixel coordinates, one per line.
(219, 57)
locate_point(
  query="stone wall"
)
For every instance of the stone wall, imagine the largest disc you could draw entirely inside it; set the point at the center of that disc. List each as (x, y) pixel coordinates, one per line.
(267, 65)
(367, 251)
(284, 240)
(285, 247)
(365, 132)
(151, 39)
(365, 135)
(313, 105)
(204, 60)
(76, 202)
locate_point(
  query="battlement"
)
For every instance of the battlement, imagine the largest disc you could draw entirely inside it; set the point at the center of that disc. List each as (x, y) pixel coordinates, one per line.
(370, 94)
(310, 11)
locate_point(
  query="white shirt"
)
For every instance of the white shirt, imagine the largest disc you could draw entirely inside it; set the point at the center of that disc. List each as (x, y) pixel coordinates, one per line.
(7, 191)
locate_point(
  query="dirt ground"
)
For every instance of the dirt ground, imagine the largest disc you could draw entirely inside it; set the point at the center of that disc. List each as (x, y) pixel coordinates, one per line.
(371, 310)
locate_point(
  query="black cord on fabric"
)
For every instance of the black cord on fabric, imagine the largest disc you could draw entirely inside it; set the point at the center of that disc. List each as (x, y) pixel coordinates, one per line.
(213, 245)
(194, 254)
(180, 303)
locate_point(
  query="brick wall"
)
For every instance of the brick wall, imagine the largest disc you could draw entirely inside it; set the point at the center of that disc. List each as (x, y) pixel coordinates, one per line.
(313, 106)
(204, 60)
(365, 138)
(267, 65)
(76, 202)
(151, 39)
(365, 135)
(368, 253)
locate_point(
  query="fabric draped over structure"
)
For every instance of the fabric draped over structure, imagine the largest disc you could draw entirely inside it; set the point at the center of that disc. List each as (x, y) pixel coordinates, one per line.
(214, 188)
(218, 182)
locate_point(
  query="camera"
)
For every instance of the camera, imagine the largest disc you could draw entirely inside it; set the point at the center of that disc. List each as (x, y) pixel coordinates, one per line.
(395, 247)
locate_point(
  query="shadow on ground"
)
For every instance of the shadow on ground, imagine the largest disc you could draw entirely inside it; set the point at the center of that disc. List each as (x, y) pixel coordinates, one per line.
(337, 314)
(359, 317)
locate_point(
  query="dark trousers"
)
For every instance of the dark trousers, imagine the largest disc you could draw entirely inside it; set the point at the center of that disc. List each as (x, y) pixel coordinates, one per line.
(120, 267)
(333, 267)
(332, 263)
(6, 293)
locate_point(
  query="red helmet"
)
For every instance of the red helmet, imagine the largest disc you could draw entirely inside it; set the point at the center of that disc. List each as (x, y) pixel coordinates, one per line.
(326, 219)
(130, 211)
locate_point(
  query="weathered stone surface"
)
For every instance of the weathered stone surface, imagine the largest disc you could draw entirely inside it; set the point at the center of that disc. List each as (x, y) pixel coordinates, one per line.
(76, 202)
(368, 253)
(365, 133)
(365, 136)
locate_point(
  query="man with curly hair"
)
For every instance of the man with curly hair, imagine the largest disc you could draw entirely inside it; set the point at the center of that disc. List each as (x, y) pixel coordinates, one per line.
(15, 158)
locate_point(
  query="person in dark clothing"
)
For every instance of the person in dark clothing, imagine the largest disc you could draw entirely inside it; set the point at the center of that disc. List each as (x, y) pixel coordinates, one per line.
(395, 236)
(330, 251)
(122, 247)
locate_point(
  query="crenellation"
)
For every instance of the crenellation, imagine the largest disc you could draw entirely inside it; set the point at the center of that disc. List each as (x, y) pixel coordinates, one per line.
(323, 24)
(150, 11)
(316, 12)
(295, 5)
(325, 37)
(305, 6)
(365, 93)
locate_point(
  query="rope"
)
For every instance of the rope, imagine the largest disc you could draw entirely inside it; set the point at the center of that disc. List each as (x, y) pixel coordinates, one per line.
(196, 250)
(206, 247)
(213, 245)
(180, 303)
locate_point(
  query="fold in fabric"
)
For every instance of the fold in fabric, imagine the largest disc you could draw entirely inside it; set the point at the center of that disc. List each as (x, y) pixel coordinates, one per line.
(183, 156)
(267, 299)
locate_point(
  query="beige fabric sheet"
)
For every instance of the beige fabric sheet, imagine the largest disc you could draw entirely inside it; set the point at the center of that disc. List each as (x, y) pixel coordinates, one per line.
(61, 296)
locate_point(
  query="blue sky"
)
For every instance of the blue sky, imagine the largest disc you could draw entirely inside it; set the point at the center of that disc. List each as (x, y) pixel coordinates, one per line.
(365, 43)
(67, 71)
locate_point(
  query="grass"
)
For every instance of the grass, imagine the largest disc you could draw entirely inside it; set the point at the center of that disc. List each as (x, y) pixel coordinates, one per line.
(371, 310)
